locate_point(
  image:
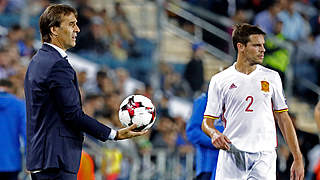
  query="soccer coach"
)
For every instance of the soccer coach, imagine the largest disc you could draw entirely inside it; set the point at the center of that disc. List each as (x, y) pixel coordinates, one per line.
(55, 120)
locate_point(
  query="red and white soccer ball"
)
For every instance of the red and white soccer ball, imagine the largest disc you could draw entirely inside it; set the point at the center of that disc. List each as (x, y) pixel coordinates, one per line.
(137, 109)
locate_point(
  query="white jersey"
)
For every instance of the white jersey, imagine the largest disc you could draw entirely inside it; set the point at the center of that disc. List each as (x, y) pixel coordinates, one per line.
(247, 103)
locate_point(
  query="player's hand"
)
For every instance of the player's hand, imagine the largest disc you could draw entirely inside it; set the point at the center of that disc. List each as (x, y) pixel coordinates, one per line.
(128, 132)
(220, 141)
(297, 170)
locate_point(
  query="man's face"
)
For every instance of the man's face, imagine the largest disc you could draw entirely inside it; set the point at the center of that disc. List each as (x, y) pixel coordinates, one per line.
(254, 50)
(67, 32)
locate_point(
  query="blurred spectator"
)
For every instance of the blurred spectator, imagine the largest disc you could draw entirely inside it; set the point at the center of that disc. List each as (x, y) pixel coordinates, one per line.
(85, 13)
(86, 170)
(165, 134)
(110, 110)
(266, 19)
(12, 127)
(306, 142)
(18, 80)
(219, 7)
(102, 84)
(3, 5)
(316, 47)
(317, 115)
(94, 39)
(93, 103)
(194, 72)
(276, 57)
(206, 153)
(120, 18)
(162, 106)
(26, 46)
(37, 7)
(149, 92)
(240, 16)
(126, 84)
(6, 68)
(317, 171)
(82, 78)
(283, 163)
(125, 32)
(315, 24)
(164, 69)
(293, 23)
(175, 85)
(306, 65)
(15, 35)
(15, 6)
(171, 82)
(184, 146)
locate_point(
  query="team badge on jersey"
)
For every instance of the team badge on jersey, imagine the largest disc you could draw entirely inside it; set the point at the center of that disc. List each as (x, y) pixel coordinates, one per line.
(265, 86)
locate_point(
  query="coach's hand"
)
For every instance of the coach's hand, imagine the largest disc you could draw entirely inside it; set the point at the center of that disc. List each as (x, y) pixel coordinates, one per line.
(297, 170)
(126, 133)
(220, 141)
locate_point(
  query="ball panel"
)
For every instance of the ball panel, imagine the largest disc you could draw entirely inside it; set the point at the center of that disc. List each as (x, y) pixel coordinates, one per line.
(125, 101)
(139, 110)
(124, 117)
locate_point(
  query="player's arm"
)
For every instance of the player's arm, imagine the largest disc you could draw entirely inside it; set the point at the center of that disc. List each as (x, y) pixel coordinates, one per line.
(317, 114)
(218, 140)
(214, 107)
(289, 133)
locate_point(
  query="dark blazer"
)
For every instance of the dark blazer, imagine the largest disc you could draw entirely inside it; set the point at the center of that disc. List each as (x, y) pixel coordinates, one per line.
(55, 120)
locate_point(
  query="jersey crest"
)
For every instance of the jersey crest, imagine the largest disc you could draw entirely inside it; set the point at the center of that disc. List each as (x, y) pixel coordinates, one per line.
(265, 86)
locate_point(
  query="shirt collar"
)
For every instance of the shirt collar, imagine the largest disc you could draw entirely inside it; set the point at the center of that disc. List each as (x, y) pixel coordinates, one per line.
(61, 51)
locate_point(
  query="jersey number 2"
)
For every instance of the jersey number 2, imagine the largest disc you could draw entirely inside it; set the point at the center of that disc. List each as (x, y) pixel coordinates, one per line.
(250, 99)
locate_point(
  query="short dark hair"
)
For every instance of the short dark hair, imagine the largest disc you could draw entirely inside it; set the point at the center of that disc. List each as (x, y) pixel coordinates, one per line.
(242, 32)
(52, 17)
(101, 74)
(15, 27)
(5, 83)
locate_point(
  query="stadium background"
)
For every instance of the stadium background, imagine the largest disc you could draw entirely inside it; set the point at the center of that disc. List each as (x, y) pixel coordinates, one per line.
(143, 48)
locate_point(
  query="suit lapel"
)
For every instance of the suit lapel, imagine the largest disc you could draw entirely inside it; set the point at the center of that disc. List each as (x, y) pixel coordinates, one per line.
(46, 47)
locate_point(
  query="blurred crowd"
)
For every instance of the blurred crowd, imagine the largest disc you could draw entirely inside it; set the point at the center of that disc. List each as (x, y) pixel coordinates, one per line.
(107, 36)
(294, 21)
(114, 36)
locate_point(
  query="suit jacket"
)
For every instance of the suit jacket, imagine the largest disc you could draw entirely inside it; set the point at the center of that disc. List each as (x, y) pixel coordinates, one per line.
(206, 153)
(55, 120)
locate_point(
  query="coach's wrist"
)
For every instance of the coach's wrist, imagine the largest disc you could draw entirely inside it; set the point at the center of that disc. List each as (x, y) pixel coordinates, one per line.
(116, 137)
(113, 135)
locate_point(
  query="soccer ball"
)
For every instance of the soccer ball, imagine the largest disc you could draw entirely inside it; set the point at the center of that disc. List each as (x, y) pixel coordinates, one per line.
(137, 109)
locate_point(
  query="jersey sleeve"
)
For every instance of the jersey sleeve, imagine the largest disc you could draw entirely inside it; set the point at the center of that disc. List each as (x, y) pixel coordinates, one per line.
(278, 98)
(214, 103)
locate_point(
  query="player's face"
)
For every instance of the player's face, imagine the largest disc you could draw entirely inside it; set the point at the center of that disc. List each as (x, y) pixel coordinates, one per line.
(67, 32)
(254, 50)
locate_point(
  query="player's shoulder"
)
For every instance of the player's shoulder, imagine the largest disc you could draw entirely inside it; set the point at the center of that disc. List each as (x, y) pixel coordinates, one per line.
(222, 74)
(270, 72)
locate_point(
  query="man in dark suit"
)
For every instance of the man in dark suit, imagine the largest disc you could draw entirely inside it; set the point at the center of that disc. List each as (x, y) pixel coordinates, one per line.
(55, 120)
